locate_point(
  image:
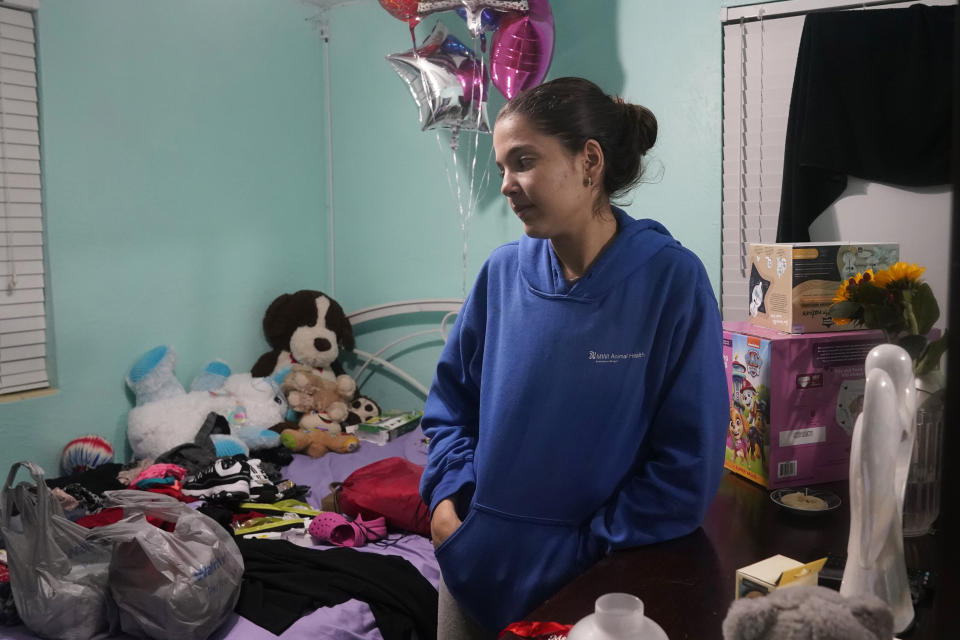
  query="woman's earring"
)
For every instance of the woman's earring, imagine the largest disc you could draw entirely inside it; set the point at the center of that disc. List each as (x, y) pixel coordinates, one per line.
(588, 181)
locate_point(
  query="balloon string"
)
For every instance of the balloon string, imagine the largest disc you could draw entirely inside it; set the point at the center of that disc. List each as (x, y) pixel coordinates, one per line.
(485, 176)
(468, 202)
(464, 205)
(476, 187)
(475, 196)
(457, 192)
(464, 233)
(446, 165)
(476, 125)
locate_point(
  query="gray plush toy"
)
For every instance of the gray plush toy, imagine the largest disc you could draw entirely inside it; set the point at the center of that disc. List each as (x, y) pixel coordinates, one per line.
(808, 613)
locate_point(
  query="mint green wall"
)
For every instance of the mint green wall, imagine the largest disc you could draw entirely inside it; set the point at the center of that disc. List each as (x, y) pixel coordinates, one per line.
(391, 184)
(398, 225)
(184, 187)
(185, 178)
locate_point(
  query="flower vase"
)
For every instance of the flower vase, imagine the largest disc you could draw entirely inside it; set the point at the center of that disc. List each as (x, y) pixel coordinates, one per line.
(921, 502)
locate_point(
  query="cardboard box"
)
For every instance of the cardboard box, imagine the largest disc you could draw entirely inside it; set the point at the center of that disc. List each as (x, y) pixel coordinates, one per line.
(794, 399)
(791, 286)
(388, 426)
(760, 578)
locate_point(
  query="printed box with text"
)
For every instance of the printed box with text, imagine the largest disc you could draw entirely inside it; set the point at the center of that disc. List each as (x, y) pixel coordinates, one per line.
(792, 286)
(794, 399)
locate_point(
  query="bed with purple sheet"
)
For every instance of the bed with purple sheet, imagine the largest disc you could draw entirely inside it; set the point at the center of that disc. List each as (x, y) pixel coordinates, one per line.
(353, 619)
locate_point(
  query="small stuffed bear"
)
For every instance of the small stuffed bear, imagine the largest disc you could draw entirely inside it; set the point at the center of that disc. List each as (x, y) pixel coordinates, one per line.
(307, 327)
(307, 391)
(805, 612)
(317, 434)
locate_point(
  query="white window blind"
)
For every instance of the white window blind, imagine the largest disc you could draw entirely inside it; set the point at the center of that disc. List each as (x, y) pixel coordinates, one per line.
(23, 356)
(760, 45)
(758, 65)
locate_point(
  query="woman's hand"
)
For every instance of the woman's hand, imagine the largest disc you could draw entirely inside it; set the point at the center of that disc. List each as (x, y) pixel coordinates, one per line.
(443, 522)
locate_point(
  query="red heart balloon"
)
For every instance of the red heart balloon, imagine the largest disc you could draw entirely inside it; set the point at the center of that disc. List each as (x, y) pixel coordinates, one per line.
(405, 10)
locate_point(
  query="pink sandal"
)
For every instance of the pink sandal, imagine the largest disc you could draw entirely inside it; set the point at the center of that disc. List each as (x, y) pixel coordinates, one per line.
(344, 531)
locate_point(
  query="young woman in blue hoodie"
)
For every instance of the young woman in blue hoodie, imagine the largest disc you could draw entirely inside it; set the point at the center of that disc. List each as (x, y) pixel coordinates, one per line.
(579, 405)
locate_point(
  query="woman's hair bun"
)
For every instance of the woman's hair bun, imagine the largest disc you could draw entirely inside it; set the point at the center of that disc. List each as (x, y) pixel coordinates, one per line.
(643, 124)
(636, 134)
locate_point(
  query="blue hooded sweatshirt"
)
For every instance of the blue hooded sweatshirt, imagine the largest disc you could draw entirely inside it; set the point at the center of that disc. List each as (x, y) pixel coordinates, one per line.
(569, 420)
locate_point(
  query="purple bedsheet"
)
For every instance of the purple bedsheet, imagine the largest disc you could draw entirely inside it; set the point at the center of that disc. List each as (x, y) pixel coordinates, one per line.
(353, 619)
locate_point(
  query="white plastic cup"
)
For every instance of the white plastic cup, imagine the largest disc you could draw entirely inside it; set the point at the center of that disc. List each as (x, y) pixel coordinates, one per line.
(617, 616)
(620, 614)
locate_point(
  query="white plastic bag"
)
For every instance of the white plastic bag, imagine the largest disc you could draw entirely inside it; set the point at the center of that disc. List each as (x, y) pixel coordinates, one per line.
(58, 575)
(181, 584)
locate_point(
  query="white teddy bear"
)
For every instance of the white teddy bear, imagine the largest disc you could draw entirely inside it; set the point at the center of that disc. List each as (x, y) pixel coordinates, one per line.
(167, 416)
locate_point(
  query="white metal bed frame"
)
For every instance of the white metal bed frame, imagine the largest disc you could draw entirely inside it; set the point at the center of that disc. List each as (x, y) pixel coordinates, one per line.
(449, 306)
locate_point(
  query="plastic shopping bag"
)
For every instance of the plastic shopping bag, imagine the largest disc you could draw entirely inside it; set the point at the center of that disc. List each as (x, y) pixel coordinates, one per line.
(180, 584)
(58, 575)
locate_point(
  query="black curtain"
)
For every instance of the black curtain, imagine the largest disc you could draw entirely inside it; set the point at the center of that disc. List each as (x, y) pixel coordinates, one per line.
(872, 98)
(949, 523)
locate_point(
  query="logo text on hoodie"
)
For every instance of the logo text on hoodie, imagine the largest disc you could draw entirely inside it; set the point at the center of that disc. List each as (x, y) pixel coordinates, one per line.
(614, 357)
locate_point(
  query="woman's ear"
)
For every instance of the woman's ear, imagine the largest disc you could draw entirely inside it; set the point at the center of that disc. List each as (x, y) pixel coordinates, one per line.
(593, 161)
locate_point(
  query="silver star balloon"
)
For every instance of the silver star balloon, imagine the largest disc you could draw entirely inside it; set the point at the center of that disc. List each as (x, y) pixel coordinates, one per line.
(447, 81)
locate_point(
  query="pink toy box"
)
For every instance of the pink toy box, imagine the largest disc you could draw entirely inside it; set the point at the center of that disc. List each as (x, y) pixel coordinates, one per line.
(794, 399)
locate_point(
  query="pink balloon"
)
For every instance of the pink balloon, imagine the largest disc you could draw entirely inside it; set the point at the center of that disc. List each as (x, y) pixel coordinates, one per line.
(522, 49)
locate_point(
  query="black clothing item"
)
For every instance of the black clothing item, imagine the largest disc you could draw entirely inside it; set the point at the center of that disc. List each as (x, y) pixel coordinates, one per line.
(283, 581)
(220, 514)
(279, 456)
(8, 608)
(872, 98)
(96, 480)
(201, 453)
(89, 501)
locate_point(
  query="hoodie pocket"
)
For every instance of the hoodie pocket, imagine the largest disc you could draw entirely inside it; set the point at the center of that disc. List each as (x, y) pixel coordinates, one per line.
(499, 567)
(457, 532)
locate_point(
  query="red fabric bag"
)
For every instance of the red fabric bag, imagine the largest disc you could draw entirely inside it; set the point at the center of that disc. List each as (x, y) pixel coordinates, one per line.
(388, 488)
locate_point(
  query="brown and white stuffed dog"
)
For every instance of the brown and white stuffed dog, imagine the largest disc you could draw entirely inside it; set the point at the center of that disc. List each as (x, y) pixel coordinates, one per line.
(307, 327)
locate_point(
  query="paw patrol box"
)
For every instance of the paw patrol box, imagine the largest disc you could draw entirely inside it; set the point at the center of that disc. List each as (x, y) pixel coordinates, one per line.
(791, 286)
(794, 399)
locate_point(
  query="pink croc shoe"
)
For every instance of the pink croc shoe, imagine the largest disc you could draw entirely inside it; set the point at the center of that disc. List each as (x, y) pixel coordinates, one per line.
(344, 531)
(373, 530)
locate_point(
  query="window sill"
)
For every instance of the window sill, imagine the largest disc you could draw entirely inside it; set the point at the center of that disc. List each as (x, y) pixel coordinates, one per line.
(27, 395)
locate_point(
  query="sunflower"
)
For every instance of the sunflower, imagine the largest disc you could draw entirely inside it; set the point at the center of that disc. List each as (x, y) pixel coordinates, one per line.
(896, 301)
(848, 289)
(900, 272)
(841, 294)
